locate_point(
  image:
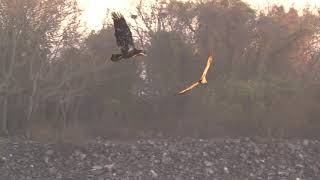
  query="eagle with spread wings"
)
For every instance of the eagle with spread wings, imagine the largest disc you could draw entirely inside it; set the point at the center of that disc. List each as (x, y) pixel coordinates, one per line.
(124, 39)
(203, 79)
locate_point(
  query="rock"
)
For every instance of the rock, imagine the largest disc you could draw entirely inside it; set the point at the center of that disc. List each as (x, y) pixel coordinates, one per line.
(77, 153)
(292, 147)
(178, 178)
(208, 163)
(226, 170)
(153, 173)
(237, 141)
(46, 159)
(166, 159)
(209, 171)
(257, 150)
(82, 156)
(301, 156)
(140, 166)
(282, 173)
(243, 156)
(50, 152)
(59, 176)
(98, 172)
(97, 167)
(53, 170)
(204, 154)
(109, 166)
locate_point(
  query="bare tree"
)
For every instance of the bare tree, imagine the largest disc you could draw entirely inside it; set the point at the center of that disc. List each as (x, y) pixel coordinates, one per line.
(35, 29)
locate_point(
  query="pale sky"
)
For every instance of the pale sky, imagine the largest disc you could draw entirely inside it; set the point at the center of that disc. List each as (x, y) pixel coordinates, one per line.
(95, 10)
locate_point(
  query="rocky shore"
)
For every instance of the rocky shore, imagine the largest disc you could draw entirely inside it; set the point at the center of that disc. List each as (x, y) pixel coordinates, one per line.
(172, 159)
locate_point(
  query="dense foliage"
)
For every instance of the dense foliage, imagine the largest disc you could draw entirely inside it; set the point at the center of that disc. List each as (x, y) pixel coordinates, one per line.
(57, 82)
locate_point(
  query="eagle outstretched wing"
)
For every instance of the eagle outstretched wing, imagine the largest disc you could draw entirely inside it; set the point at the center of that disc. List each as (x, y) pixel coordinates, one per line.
(122, 33)
(206, 69)
(189, 88)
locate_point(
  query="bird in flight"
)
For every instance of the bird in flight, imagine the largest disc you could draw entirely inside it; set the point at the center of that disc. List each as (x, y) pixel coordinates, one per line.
(203, 79)
(124, 39)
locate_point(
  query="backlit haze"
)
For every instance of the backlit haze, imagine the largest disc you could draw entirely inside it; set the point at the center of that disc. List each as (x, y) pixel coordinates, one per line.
(94, 11)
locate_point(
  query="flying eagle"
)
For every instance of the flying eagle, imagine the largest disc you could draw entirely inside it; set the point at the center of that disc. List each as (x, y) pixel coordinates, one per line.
(203, 79)
(124, 39)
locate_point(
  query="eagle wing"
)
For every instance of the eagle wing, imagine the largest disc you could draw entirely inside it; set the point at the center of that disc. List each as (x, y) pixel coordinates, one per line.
(122, 33)
(206, 69)
(189, 88)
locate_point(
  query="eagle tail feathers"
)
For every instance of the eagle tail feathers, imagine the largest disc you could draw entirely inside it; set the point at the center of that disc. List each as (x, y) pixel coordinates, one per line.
(116, 57)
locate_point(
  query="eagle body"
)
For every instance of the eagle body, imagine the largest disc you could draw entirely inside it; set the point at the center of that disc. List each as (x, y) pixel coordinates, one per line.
(124, 39)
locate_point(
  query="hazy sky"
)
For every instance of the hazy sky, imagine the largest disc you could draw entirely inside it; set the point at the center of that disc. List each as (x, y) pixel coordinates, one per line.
(95, 10)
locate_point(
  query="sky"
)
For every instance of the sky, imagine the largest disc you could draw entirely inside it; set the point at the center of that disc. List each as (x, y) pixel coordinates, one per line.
(94, 11)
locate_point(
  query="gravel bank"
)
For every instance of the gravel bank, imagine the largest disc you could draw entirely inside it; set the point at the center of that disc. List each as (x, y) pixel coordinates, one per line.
(172, 159)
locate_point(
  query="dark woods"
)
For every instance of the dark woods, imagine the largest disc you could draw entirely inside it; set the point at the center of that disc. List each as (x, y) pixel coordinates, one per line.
(58, 83)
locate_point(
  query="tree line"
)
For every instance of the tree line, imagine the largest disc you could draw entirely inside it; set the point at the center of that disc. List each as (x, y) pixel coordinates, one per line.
(56, 81)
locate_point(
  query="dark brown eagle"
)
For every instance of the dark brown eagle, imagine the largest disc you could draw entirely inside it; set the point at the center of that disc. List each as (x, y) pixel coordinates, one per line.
(124, 39)
(203, 79)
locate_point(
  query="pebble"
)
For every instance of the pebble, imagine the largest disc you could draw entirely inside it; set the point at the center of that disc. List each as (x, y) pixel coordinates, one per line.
(153, 173)
(49, 152)
(208, 163)
(226, 170)
(97, 167)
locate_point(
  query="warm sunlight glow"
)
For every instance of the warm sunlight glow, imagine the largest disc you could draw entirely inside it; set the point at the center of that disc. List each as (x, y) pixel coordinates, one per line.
(95, 10)
(299, 4)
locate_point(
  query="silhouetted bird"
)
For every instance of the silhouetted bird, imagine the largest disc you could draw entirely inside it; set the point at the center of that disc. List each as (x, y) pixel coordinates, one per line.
(203, 79)
(124, 39)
